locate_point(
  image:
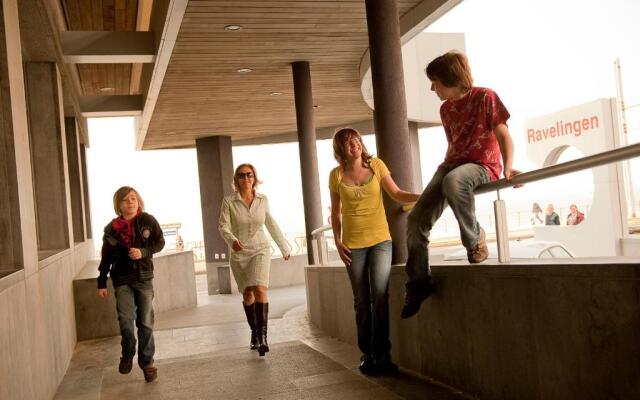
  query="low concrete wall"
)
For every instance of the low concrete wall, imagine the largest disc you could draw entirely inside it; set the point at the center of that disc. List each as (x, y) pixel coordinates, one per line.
(631, 246)
(174, 286)
(37, 325)
(517, 331)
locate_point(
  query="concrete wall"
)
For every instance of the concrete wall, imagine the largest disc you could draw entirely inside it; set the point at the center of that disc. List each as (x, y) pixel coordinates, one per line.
(516, 331)
(174, 285)
(37, 332)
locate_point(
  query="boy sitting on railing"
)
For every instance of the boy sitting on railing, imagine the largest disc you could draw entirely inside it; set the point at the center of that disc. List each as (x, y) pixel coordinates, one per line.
(475, 123)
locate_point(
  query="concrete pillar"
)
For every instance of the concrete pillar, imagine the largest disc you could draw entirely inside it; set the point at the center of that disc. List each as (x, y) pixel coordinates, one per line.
(46, 131)
(75, 180)
(85, 192)
(215, 168)
(390, 115)
(13, 97)
(414, 142)
(308, 154)
(11, 243)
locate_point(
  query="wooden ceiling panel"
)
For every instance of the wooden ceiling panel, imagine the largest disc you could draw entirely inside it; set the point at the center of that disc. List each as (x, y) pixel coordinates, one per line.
(102, 15)
(203, 94)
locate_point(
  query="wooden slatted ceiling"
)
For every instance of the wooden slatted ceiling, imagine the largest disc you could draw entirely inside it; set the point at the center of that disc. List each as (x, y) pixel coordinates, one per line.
(102, 15)
(204, 95)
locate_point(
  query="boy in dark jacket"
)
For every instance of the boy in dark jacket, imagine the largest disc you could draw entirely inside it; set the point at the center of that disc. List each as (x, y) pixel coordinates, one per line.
(128, 245)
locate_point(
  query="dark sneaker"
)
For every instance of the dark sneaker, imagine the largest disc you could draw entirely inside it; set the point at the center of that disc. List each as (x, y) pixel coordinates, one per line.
(414, 298)
(150, 373)
(125, 365)
(368, 365)
(480, 252)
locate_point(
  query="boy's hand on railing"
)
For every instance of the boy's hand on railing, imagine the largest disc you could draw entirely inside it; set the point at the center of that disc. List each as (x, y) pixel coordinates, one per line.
(510, 173)
(287, 257)
(344, 253)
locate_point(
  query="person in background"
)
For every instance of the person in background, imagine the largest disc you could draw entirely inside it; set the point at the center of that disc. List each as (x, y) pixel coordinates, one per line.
(551, 217)
(479, 145)
(575, 216)
(128, 245)
(536, 211)
(362, 237)
(243, 216)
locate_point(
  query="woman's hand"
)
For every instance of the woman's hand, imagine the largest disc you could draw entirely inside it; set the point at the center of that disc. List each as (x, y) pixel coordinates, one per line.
(344, 252)
(237, 246)
(135, 254)
(287, 257)
(103, 293)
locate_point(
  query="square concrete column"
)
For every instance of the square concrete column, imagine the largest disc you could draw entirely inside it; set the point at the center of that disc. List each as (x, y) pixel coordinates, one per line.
(10, 232)
(85, 191)
(215, 168)
(48, 152)
(75, 180)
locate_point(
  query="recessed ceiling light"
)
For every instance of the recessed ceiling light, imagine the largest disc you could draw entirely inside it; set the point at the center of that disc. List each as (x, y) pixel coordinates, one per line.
(233, 27)
(107, 89)
(316, 106)
(276, 93)
(244, 70)
(171, 133)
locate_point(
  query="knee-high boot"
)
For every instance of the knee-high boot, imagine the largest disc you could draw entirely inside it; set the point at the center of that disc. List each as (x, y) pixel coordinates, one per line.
(262, 317)
(250, 312)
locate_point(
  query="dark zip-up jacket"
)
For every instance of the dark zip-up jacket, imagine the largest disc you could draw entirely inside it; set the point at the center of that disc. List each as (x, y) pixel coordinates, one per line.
(115, 261)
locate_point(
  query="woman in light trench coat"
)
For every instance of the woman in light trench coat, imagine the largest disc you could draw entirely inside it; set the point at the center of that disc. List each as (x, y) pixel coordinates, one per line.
(242, 219)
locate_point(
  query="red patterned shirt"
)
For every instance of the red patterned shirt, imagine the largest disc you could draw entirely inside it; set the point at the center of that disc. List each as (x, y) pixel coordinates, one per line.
(469, 124)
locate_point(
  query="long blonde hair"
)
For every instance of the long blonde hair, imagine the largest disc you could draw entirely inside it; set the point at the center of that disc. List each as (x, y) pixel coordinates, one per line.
(236, 178)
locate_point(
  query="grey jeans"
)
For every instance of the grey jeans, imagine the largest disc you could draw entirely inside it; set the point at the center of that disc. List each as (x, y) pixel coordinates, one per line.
(134, 303)
(451, 185)
(369, 275)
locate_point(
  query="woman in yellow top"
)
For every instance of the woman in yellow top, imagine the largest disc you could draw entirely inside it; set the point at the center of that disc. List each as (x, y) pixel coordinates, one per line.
(363, 240)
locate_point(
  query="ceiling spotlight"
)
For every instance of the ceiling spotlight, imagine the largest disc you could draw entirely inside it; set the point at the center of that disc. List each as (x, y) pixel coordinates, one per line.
(171, 133)
(107, 89)
(244, 70)
(276, 93)
(316, 106)
(232, 28)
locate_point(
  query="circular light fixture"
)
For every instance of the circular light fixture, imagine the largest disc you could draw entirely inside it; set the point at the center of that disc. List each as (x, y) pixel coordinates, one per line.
(170, 133)
(244, 70)
(316, 106)
(233, 28)
(276, 93)
(107, 89)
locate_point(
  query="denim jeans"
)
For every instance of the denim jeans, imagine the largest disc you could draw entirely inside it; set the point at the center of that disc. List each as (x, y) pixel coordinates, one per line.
(453, 186)
(369, 275)
(134, 303)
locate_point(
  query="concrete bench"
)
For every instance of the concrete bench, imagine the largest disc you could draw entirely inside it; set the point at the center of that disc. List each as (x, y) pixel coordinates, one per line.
(174, 287)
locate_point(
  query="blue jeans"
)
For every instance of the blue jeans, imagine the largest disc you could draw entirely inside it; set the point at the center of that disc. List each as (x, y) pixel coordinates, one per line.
(369, 275)
(134, 303)
(451, 185)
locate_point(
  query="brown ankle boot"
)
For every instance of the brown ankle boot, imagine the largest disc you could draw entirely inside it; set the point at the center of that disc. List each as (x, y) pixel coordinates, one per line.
(262, 317)
(250, 312)
(480, 252)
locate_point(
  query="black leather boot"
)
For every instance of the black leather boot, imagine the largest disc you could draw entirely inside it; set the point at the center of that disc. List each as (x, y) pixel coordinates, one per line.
(262, 317)
(250, 312)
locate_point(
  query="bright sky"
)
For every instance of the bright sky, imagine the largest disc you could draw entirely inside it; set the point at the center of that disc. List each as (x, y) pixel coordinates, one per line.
(539, 57)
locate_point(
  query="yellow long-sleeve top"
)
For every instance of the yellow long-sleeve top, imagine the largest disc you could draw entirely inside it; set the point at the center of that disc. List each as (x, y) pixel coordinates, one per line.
(364, 222)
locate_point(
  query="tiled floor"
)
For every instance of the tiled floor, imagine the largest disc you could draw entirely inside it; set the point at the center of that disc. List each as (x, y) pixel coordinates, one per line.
(212, 361)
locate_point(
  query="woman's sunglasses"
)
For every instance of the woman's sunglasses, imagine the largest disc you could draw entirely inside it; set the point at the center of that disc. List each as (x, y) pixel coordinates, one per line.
(244, 175)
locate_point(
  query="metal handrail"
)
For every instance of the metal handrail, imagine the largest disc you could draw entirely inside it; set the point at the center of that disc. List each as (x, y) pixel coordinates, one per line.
(596, 160)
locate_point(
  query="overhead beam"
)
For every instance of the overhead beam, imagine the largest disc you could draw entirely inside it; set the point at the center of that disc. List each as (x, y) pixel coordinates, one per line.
(111, 106)
(142, 24)
(104, 47)
(166, 17)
